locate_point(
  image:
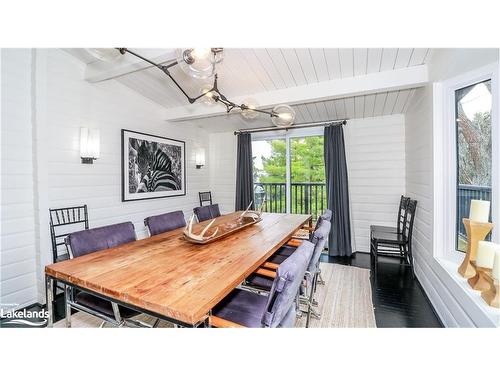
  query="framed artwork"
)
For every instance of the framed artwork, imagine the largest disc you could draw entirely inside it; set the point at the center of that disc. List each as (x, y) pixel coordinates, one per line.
(152, 166)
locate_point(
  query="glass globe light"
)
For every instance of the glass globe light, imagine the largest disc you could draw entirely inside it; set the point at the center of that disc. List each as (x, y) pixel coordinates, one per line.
(105, 54)
(199, 62)
(284, 115)
(209, 97)
(251, 104)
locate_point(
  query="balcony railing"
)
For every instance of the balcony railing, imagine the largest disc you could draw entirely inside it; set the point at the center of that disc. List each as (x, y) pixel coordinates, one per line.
(465, 194)
(306, 197)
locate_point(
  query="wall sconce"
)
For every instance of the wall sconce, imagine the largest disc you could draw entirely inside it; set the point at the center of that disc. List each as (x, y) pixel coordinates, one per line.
(200, 158)
(89, 145)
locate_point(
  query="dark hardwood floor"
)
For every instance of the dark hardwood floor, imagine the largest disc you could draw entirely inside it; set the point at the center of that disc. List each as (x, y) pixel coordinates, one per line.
(398, 298)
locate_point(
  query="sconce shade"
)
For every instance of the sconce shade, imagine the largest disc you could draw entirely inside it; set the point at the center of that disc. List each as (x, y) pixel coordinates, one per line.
(89, 145)
(200, 158)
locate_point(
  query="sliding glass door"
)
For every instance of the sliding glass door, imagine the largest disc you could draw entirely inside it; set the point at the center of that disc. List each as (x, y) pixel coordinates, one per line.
(270, 171)
(307, 176)
(290, 173)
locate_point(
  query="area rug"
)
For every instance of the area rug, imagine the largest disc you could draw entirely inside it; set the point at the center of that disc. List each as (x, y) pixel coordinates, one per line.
(345, 301)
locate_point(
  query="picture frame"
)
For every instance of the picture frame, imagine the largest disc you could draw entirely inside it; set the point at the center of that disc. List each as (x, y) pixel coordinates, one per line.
(152, 166)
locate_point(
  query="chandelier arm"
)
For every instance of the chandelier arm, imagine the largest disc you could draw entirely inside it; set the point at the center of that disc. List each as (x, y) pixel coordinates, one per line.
(220, 97)
(163, 68)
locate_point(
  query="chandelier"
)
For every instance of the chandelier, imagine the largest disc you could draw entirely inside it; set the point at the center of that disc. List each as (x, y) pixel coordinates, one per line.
(201, 63)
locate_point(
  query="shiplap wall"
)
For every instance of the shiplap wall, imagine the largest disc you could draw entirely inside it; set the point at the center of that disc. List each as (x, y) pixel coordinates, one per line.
(64, 103)
(222, 165)
(17, 254)
(375, 151)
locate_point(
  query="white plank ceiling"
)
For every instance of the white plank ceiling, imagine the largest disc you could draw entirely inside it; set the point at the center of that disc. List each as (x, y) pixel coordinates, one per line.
(251, 71)
(380, 104)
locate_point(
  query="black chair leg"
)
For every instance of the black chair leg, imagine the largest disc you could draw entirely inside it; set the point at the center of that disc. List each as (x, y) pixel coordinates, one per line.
(410, 259)
(375, 257)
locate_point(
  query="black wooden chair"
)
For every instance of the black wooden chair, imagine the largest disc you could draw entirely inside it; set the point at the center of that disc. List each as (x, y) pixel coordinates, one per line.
(398, 244)
(403, 204)
(64, 221)
(205, 196)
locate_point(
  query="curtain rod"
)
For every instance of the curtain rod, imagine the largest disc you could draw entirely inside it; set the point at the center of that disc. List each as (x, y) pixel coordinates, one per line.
(297, 126)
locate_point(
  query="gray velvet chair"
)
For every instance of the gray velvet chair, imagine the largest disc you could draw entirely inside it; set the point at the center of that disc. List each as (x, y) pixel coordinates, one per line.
(165, 222)
(207, 212)
(242, 308)
(89, 241)
(320, 236)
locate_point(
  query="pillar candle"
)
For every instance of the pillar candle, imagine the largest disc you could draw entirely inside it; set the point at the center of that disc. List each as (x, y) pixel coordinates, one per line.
(496, 266)
(479, 211)
(486, 254)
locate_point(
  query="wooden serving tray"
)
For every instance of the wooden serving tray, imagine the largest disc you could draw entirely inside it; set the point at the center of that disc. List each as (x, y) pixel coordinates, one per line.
(225, 229)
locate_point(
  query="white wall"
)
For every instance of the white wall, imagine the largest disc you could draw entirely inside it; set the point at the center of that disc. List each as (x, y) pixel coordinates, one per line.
(222, 166)
(63, 103)
(18, 243)
(420, 185)
(375, 151)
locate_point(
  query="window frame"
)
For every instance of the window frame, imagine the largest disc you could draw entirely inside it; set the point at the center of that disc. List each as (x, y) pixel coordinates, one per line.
(445, 159)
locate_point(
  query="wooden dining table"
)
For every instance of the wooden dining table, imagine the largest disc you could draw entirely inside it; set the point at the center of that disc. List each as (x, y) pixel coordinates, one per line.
(170, 278)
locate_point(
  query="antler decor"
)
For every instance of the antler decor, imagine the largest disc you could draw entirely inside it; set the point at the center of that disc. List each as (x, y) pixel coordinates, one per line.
(255, 215)
(225, 225)
(188, 231)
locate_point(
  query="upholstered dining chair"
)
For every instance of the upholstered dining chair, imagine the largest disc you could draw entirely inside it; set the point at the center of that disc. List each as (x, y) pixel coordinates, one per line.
(262, 280)
(242, 308)
(165, 222)
(89, 241)
(207, 212)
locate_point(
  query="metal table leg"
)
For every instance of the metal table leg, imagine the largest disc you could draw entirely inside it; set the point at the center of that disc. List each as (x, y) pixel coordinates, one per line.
(49, 283)
(67, 300)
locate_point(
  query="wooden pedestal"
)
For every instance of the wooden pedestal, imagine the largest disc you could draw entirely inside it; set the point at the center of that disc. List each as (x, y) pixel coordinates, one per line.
(475, 232)
(479, 281)
(492, 294)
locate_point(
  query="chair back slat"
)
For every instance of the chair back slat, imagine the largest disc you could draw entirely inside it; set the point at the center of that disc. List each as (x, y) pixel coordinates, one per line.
(410, 219)
(63, 221)
(401, 222)
(205, 196)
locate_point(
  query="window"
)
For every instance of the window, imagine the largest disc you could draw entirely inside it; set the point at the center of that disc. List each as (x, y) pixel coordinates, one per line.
(473, 150)
(466, 156)
(290, 173)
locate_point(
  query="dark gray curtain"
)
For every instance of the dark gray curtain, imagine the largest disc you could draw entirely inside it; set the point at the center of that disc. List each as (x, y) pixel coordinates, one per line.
(337, 191)
(244, 172)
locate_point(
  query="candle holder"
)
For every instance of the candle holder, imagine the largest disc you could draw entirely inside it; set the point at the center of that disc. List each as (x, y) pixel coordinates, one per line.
(492, 295)
(476, 232)
(479, 281)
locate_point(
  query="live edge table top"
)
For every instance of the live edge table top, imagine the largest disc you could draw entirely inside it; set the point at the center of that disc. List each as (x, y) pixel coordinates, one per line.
(167, 275)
